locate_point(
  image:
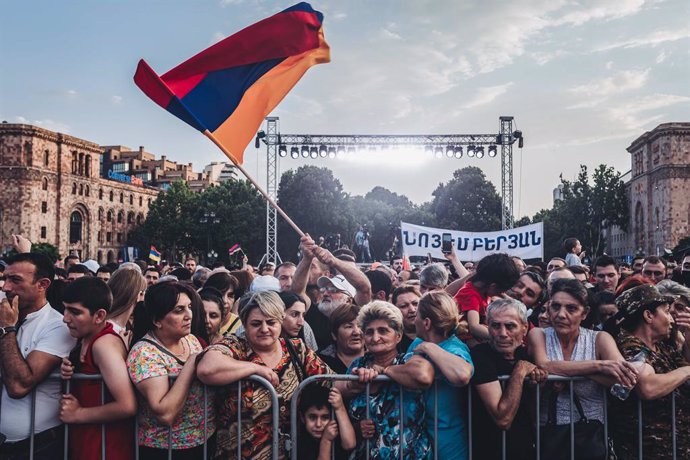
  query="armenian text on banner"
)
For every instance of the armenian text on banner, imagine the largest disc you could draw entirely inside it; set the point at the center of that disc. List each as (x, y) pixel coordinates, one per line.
(526, 242)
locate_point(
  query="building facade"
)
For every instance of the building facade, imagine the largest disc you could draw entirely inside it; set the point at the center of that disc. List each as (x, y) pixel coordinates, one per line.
(55, 190)
(659, 192)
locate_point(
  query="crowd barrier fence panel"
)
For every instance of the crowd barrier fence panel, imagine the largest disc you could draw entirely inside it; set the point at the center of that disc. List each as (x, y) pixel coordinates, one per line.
(253, 378)
(275, 436)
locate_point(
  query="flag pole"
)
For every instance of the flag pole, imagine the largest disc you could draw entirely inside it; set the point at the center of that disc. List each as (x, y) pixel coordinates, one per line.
(227, 153)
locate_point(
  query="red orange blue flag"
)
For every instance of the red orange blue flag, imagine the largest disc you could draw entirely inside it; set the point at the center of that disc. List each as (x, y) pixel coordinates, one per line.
(229, 88)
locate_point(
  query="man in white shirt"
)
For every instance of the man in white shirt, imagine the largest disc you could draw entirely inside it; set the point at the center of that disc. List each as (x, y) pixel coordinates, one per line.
(33, 341)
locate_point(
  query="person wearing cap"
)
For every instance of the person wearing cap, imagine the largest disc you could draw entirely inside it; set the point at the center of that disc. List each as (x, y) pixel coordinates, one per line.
(350, 285)
(645, 321)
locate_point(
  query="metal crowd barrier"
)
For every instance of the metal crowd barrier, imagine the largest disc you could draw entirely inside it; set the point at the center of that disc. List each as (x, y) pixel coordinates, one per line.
(253, 378)
(294, 414)
(503, 379)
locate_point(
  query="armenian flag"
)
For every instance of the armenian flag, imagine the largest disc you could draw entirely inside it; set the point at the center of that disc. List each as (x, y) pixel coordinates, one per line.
(234, 249)
(228, 89)
(154, 255)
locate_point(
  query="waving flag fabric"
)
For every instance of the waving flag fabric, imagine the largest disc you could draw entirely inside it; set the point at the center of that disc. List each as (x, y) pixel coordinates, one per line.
(234, 249)
(154, 254)
(229, 88)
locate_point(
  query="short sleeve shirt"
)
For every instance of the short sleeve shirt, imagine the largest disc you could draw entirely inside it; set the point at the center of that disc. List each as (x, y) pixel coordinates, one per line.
(44, 331)
(147, 361)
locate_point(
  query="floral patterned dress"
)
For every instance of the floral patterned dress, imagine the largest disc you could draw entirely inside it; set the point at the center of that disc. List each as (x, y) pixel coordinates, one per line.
(384, 410)
(256, 407)
(146, 361)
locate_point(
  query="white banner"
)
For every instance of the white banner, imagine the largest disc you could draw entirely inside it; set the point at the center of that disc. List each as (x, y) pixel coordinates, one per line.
(526, 242)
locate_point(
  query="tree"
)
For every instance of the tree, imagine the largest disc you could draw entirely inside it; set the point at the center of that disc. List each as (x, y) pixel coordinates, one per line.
(682, 248)
(169, 224)
(315, 201)
(46, 249)
(467, 202)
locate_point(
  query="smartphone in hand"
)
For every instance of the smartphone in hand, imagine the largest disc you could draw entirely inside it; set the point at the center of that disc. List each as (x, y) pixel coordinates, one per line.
(447, 243)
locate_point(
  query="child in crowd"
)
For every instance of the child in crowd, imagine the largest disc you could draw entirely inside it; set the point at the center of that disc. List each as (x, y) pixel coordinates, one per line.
(100, 350)
(318, 431)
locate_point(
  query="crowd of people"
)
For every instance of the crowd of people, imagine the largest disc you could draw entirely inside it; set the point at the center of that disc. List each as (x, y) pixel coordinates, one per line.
(169, 345)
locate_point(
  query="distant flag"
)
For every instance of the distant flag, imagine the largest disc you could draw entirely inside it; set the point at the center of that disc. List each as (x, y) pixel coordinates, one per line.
(227, 90)
(406, 263)
(154, 255)
(234, 249)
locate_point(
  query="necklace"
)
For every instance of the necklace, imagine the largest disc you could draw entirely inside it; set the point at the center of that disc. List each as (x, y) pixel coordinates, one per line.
(179, 355)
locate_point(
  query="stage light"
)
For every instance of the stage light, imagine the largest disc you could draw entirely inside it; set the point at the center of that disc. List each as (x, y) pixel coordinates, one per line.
(479, 152)
(449, 151)
(458, 151)
(492, 151)
(331, 152)
(351, 150)
(305, 151)
(439, 152)
(282, 151)
(470, 151)
(294, 153)
(314, 152)
(323, 151)
(429, 150)
(341, 149)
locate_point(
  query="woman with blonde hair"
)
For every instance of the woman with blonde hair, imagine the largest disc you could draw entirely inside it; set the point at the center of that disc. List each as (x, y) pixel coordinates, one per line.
(128, 287)
(437, 319)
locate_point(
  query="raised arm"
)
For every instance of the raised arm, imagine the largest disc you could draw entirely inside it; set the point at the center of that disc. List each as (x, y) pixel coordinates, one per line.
(350, 271)
(301, 276)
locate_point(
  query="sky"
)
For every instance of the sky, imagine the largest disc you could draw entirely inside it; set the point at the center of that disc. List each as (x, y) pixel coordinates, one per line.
(583, 79)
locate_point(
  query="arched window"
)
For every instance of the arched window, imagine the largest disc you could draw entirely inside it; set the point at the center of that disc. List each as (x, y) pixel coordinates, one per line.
(140, 219)
(87, 190)
(131, 199)
(141, 200)
(122, 197)
(75, 162)
(81, 164)
(120, 217)
(111, 195)
(81, 189)
(100, 214)
(639, 226)
(44, 183)
(46, 158)
(130, 218)
(110, 216)
(74, 188)
(87, 169)
(75, 222)
(111, 257)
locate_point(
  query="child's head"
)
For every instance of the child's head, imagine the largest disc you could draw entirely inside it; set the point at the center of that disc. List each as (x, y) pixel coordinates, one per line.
(314, 410)
(87, 302)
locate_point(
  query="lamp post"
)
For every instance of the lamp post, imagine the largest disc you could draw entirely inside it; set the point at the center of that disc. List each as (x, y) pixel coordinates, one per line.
(209, 217)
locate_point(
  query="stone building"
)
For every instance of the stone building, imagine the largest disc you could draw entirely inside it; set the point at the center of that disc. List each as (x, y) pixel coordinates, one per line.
(659, 192)
(55, 190)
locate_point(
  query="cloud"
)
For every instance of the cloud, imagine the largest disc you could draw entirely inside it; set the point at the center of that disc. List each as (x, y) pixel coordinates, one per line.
(486, 95)
(661, 57)
(387, 34)
(542, 58)
(116, 100)
(653, 39)
(71, 92)
(20, 119)
(626, 80)
(47, 124)
(630, 113)
(217, 36)
(600, 11)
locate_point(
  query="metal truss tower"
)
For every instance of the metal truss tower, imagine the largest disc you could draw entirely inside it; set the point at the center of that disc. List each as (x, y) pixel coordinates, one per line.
(326, 145)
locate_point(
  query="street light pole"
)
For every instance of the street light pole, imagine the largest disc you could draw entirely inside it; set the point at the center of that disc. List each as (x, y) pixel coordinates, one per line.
(209, 218)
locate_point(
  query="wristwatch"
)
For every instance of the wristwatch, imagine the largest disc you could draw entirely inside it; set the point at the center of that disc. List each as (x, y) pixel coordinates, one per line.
(6, 330)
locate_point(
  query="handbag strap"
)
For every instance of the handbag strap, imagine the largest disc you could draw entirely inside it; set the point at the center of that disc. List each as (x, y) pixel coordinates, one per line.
(296, 362)
(553, 399)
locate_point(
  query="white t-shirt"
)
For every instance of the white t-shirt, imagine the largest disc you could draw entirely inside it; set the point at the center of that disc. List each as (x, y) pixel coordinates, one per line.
(571, 259)
(43, 330)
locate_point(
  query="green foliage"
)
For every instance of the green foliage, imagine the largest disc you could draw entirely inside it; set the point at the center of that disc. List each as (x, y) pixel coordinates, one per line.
(682, 248)
(46, 249)
(588, 207)
(468, 202)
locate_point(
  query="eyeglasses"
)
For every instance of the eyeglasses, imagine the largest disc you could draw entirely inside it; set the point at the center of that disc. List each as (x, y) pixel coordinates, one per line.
(331, 289)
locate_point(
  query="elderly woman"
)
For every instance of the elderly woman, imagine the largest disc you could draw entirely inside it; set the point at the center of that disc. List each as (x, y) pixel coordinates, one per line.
(437, 318)
(570, 350)
(382, 325)
(349, 343)
(166, 348)
(646, 320)
(263, 352)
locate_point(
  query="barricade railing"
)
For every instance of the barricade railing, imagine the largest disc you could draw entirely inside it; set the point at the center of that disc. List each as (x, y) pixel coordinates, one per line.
(275, 411)
(502, 379)
(275, 435)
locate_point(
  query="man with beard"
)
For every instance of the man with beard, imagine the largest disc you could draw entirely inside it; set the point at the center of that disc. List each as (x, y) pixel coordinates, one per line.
(397, 264)
(33, 341)
(530, 289)
(406, 298)
(350, 284)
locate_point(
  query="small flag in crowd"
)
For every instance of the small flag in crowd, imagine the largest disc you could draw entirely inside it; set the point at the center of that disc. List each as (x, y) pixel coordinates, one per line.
(154, 254)
(235, 248)
(227, 90)
(406, 263)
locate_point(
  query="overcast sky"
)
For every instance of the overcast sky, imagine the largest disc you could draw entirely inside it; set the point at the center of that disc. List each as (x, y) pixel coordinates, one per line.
(583, 79)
